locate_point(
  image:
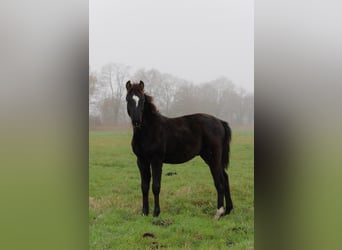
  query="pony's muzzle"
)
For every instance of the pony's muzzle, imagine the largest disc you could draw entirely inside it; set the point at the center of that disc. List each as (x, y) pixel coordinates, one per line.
(136, 124)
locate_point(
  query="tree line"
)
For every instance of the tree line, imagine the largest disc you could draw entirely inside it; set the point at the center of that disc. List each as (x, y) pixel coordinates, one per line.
(173, 96)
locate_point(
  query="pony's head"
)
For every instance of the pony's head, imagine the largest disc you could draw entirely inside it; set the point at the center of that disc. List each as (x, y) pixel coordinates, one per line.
(135, 102)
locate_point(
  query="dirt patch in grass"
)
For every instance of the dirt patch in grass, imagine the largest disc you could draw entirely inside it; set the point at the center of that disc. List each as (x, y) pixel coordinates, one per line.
(183, 191)
(99, 205)
(162, 223)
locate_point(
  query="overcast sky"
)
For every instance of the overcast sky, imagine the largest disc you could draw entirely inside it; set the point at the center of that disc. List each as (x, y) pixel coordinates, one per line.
(193, 39)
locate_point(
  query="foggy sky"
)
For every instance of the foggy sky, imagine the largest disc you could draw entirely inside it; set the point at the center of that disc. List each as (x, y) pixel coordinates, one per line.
(195, 40)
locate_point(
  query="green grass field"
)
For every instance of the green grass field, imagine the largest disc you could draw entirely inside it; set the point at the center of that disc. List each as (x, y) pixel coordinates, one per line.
(187, 199)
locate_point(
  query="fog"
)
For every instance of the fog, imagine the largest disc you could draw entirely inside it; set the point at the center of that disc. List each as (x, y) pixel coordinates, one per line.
(194, 56)
(198, 41)
(173, 96)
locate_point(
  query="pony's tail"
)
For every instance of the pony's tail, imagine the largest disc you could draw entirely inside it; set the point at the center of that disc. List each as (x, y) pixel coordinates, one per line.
(226, 146)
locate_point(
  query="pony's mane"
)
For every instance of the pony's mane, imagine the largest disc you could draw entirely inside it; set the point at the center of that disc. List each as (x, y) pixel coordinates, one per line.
(149, 104)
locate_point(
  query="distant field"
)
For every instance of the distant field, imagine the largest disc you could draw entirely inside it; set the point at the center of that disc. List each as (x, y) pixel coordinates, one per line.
(187, 199)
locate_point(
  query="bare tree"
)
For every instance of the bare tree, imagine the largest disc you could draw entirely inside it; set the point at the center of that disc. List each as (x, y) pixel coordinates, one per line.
(185, 100)
(92, 82)
(173, 96)
(162, 86)
(113, 76)
(94, 88)
(168, 90)
(248, 108)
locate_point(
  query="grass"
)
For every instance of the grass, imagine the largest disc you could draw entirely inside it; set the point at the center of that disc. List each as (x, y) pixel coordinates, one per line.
(187, 199)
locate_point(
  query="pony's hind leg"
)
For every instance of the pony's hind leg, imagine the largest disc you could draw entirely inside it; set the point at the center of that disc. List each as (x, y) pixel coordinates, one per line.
(216, 171)
(229, 203)
(220, 188)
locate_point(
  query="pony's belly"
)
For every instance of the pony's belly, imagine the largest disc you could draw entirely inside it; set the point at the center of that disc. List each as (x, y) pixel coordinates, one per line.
(177, 159)
(181, 152)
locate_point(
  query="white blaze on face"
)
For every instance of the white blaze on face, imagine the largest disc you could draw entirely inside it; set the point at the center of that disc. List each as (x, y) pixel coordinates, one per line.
(136, 99)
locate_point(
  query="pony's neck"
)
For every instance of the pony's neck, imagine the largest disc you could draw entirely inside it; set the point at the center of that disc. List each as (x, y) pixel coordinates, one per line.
(150, 116)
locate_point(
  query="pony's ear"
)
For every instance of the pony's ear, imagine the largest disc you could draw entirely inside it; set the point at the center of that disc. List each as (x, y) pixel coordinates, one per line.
(141, 85)
(128, 85)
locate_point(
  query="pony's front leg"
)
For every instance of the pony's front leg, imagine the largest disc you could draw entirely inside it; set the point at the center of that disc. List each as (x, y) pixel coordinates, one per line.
(156, 175)
(145, 174)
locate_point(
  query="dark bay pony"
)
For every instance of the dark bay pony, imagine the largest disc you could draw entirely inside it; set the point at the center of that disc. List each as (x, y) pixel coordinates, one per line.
(158, 139)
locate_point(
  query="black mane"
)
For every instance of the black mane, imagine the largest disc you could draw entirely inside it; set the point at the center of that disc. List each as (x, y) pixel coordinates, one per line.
(149, 105)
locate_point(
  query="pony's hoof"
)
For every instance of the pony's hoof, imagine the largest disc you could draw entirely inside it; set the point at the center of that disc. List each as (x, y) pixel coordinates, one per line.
(145, 211)
(156, 211)
(229, 209)
(219, 213)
